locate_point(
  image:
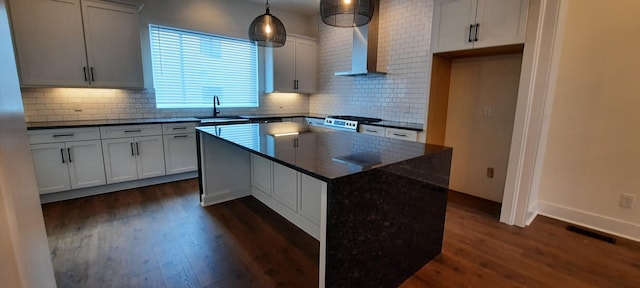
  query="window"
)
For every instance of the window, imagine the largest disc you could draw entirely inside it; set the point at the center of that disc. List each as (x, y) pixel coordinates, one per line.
(189, 68)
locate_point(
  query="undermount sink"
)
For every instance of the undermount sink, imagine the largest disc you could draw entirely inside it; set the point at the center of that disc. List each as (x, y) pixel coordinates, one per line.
(222, 120)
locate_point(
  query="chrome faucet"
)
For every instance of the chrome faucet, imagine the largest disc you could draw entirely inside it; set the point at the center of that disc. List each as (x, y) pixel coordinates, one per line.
(216, 111)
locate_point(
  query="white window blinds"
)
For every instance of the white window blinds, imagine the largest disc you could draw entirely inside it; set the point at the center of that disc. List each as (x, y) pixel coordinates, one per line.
(189, 68)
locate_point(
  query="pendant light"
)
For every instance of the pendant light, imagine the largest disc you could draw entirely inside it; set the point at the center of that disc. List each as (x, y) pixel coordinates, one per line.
(267, 30)
(346, 13)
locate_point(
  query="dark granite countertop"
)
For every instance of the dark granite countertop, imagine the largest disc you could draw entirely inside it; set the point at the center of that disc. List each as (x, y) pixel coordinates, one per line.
(322, 153)
(291, 115)
(398, 124)
(93, 123)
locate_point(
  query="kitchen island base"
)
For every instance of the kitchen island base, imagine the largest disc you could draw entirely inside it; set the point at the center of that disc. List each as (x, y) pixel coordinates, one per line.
(377, 225)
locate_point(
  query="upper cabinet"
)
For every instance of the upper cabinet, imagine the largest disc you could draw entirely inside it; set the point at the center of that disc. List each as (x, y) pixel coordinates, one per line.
(293, 67)
(468, 24)
(77, 43)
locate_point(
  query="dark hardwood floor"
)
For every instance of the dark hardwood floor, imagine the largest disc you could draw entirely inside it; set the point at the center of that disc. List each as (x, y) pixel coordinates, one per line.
(159, 236)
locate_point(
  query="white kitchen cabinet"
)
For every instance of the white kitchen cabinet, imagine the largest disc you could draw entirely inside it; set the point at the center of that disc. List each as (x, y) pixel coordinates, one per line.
(294, 195)
(285, 186)
(402, 134)
(372, 130)
(77, 43)
(52, 173)
(309, 198)
(149, 156)
(132, 158)
(119, 160)
(292, 68)
(180, 153)
(180, 149)
(68, 165)
(261, 173)
(298, 148)
(468, 24)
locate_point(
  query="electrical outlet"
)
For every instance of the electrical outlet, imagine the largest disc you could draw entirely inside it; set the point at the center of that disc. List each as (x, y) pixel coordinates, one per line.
(626, 200)
(490, 172)
(488, 112)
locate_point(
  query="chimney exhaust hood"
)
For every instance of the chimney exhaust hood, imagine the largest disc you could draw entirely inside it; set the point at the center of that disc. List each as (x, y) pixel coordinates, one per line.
(364, 58)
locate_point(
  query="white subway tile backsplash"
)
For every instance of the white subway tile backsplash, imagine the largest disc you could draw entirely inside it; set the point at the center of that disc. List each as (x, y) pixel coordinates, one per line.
(403, 52)
(64, 104)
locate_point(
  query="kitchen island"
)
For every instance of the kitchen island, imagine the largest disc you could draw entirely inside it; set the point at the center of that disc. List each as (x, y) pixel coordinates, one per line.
(377, 205)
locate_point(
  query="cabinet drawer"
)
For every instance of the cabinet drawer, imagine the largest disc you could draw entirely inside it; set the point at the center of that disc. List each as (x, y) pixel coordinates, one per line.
(372, 130)
(63, 135)
(110, 132)
(179, 128)
(402, 134)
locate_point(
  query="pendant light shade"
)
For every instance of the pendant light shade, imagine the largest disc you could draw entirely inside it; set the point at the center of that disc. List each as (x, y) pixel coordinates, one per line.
(346, 13)
(267, 30)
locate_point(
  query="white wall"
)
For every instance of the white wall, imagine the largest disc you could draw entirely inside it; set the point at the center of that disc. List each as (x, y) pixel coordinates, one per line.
(223, 17)
(592, 147)
(24, 250)
(403, 52)
(478, 141)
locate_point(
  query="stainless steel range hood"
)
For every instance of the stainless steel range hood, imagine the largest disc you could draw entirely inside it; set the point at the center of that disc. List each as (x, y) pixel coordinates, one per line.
(364, 58)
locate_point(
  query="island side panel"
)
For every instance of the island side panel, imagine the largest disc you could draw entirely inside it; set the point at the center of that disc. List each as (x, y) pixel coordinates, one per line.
(382, 227)
(225, 170)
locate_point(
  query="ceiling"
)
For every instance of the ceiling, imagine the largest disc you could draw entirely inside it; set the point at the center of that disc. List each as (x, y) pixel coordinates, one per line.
(305, 7)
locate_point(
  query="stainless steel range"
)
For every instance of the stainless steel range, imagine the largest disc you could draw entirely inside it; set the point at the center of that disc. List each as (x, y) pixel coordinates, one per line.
(349, 123)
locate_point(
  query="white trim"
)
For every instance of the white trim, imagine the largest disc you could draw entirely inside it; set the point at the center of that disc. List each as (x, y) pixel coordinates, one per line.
(521, 185)
(597, 222)
(223, 196)
(91, 191)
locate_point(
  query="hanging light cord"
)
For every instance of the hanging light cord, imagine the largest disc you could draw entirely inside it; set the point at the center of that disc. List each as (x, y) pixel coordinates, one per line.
(267, 6)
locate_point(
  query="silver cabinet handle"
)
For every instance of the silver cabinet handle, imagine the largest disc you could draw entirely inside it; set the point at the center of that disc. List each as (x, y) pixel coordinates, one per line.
(179, 128)
(69, 154)
(401, 135)
(93, 78)
(372, 131)
(62, 155)
(132, 131)
(132, 153)
(137, 149)
(63, 135)
(181, 136)
(84, 70)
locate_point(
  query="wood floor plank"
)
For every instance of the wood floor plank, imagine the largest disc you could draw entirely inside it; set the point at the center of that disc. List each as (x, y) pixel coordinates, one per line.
(159, 236)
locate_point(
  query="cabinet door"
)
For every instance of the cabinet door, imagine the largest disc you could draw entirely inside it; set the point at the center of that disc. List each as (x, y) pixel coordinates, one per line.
(306, 151)
(285, 186)
(149, 156)
(112, 36)
(180, 153)
(86, 166)
(284, 67)
(310, 193)
(451, 24)
(502, 22)
(49, 42)
(119, 160)
(50, 163)
(282, 147)
(306, 65)
(261, 173)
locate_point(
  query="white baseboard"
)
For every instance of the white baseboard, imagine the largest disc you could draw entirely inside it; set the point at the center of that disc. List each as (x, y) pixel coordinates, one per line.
(90, 191)
(590, 220)
(223, 196)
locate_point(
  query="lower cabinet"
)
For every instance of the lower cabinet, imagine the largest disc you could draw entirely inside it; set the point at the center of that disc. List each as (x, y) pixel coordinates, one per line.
(73, 158)
(294, 195)
(135, 158)
(285, 186)
(180, 153)
(68, 165)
